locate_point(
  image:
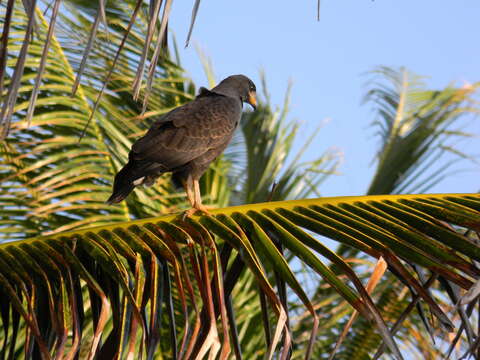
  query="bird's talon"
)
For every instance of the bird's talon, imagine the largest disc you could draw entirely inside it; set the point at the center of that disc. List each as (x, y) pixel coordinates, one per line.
(204, 209)
(188, 213)
(194, 210)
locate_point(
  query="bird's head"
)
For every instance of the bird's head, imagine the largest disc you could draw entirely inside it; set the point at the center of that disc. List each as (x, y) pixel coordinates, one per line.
(241, 86)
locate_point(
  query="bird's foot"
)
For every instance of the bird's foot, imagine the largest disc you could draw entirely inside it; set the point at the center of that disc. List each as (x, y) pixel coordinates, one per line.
(198, 208)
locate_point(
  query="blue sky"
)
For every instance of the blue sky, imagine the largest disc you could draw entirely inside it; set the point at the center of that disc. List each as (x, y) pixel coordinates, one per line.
(327, 61)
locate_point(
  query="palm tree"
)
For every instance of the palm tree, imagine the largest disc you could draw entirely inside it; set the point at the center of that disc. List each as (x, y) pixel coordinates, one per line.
(80, 278)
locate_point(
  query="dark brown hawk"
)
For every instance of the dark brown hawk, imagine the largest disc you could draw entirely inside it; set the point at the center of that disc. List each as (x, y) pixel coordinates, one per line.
(186, 140)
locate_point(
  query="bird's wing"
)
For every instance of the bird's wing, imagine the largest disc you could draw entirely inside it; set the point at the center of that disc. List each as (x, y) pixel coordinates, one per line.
(188, 131)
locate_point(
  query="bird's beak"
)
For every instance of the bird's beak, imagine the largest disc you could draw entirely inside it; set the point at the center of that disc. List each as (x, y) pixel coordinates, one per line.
(252, 99)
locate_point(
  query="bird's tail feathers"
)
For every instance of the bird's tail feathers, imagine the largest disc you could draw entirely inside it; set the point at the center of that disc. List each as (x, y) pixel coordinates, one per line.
(120, 195)
(135, 172)
(123, 183)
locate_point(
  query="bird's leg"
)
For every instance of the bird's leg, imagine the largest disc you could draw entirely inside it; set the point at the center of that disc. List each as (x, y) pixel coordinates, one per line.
(192, 187)
(188, 185)
(198, 198)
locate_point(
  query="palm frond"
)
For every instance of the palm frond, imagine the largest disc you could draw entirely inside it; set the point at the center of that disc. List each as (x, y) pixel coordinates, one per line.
(125, 266)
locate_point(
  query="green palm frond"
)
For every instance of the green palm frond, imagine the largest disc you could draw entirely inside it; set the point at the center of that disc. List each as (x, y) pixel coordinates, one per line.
(128, 268)
(44, 161)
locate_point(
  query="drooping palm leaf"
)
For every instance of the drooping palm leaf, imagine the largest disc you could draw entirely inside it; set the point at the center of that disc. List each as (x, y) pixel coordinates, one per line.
(122, 264)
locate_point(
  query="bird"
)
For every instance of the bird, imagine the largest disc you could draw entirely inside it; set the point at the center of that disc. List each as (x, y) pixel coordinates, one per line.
(186, 140)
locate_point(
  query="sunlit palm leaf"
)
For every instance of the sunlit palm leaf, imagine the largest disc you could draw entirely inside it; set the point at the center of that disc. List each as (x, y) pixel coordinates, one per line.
(121, 265)
(45, 162)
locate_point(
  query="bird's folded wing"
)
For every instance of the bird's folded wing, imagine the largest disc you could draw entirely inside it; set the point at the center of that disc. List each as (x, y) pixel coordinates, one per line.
(187, 132)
